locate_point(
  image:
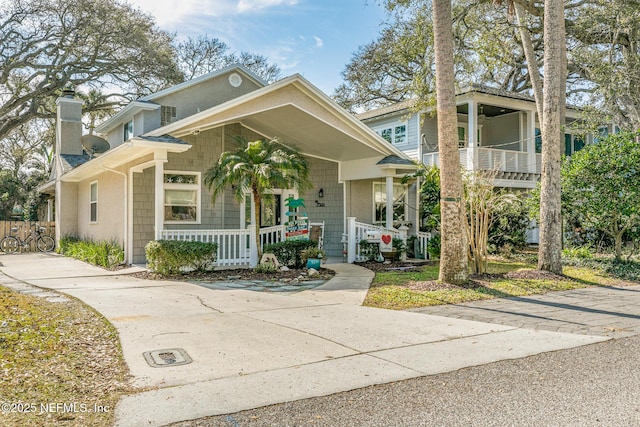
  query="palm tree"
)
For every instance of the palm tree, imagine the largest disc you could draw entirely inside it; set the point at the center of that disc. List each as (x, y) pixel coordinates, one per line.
(453, 256)
(255, 168)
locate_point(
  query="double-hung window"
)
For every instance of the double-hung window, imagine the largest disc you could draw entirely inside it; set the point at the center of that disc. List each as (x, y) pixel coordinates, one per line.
(182, 197)
(127, 131)
(380, 202)
(93, 202)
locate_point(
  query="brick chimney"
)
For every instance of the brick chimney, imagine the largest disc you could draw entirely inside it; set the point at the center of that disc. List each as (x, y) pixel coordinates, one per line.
(69, 124)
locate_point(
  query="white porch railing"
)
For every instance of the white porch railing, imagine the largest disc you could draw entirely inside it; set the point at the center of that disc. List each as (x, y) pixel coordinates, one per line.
(234, 246)
(357, 231)
(271, 235)
(423, 242)
(486, 158)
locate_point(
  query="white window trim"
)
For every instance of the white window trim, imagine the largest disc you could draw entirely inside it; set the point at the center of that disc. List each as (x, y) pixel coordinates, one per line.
(183, 186)
(126, 124)
(286, 192)
(91, 202)
(384, 185)
(393, 127)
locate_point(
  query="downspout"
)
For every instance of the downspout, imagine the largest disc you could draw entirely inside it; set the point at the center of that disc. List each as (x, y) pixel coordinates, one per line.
(126, 209)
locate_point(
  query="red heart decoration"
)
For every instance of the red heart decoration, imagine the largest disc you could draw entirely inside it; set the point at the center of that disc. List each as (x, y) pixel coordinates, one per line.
(386, 239)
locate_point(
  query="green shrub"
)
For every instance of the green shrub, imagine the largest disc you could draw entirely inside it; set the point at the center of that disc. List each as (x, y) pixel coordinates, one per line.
(312, 252)
(433, 247)
(626, 270)
(174, 256)
(510, 226)
(266, 268)
(369, 250)
(289, 252)
(106, 254)
(582, 252)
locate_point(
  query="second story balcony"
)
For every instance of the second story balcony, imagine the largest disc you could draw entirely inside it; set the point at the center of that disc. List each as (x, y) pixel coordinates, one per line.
(513, 168)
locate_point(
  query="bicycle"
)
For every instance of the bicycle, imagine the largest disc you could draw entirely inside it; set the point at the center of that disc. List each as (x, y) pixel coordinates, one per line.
(12, 243)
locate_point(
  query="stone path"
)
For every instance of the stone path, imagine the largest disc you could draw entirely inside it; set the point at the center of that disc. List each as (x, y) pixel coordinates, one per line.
(611, 311)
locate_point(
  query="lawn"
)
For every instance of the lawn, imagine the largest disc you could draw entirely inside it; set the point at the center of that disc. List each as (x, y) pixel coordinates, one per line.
(399, 290)
(61, 363)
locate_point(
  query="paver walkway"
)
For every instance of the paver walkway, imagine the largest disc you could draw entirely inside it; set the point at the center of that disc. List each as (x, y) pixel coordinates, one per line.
(611, 311)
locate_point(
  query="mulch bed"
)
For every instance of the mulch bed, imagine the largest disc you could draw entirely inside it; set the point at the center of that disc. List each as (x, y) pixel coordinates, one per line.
(475, 280)
(238, 274)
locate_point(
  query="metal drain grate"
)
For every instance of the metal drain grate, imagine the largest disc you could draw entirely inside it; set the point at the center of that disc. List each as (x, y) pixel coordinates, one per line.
(167, 357)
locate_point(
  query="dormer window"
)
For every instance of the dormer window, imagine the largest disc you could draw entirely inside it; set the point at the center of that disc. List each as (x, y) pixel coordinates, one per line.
(127, 130)
(167, 114)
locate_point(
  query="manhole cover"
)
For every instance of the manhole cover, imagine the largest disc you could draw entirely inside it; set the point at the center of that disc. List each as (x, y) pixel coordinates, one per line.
(167, 357)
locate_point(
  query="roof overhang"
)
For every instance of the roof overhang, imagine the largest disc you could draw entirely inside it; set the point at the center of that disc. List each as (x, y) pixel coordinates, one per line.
(297, 113)
(131, 150)
(126, 114)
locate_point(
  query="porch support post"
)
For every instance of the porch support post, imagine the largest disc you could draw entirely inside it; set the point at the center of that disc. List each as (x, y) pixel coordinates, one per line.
(159, 160)
(472, 138)
(531, 141)
(389, 202)
(351, 239)
(253, 249)
(404, 231)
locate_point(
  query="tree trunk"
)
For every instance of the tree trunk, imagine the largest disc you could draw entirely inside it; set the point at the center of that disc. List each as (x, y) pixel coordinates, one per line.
(257, 201)
(530, 56)
(618, 246)
(550, 250)
(454, 249)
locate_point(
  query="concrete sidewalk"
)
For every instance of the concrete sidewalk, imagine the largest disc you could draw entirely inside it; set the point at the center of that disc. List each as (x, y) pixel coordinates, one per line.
(252, 349)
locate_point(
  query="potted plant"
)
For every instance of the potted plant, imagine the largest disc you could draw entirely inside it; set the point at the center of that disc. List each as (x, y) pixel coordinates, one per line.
(313, 256)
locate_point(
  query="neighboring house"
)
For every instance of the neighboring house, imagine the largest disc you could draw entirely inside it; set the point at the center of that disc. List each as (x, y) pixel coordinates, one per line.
(496, 130)
(148, 184)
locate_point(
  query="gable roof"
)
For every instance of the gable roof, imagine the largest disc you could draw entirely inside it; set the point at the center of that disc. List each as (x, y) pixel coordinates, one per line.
(147, 102)
(205, 77)
(299, 113)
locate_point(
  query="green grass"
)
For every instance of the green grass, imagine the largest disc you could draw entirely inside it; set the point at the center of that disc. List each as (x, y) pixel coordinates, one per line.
(57, 353)
(401, 290)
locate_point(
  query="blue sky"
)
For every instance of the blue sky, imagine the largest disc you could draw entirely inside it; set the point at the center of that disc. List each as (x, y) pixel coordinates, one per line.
(315, 38)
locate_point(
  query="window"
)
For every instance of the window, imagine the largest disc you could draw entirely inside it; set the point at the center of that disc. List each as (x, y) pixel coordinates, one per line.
(127, 130)
(93, 202)
(572, 143)
(380, 202)
(462, 135)
(182, 197)
(395, 135)
(167, 114)
(538, 141)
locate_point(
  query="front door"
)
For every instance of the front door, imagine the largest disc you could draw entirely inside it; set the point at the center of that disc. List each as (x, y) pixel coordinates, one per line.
(271, 211)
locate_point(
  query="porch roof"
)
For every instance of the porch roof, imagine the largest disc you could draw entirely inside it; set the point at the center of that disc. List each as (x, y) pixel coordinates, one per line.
(135, 148)
(297, 113)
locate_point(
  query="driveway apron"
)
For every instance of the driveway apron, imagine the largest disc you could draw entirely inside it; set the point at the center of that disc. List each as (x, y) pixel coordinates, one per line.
(250, 349)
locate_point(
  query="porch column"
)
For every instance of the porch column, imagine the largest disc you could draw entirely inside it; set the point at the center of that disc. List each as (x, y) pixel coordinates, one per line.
(472, 138)
(531, 141)
(158, 161)
(389, 201)
(351, 239)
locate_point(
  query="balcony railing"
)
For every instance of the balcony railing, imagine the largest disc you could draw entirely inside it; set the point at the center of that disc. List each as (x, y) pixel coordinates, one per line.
(485, 158)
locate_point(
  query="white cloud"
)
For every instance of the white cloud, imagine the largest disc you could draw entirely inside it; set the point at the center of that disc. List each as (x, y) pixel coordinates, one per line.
(319, 42)
(250, 5)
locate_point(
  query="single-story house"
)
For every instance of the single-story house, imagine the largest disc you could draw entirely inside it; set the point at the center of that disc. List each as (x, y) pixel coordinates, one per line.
(146, 181)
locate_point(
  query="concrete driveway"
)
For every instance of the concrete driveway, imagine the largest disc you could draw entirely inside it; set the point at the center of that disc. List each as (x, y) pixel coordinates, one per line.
(251, 349)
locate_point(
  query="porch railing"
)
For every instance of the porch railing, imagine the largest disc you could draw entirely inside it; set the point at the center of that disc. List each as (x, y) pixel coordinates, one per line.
(271, 235)
(487, 158)
(423, 243)
(234, 247)
(357, 231)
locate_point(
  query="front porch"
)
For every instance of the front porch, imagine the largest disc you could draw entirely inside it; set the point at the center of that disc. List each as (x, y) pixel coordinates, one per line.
(236, 248)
